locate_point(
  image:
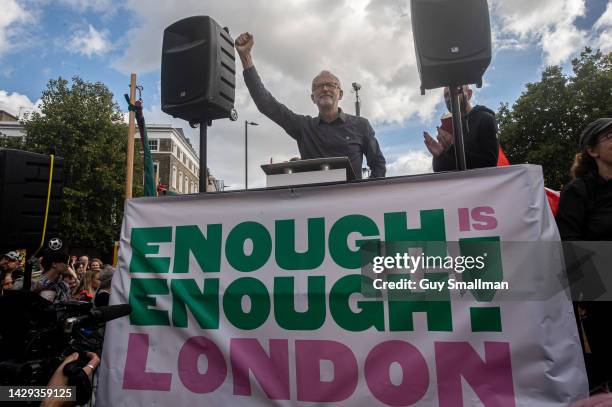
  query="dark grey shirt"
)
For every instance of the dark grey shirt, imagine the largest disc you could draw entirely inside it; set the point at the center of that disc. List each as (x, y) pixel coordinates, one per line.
(348, 135)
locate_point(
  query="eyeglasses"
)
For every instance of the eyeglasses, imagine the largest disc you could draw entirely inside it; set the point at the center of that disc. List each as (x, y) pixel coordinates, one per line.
(329, 85)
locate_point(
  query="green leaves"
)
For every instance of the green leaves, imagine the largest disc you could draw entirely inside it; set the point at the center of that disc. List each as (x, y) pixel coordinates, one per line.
(544, 124)
(85, 126)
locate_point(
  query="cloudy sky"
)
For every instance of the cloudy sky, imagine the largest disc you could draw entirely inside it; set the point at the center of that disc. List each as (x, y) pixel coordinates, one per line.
(365, 41)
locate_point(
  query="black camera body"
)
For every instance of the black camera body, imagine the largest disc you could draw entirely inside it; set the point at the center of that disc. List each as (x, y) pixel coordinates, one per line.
(36, 336)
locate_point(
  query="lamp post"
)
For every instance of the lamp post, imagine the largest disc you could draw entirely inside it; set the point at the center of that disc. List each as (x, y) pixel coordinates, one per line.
(246, 151)
(356, 88)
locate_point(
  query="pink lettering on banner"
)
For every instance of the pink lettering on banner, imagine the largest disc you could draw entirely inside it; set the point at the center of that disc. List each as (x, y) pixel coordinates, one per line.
(415, 377)
(310, 387)
(188, 370)
(491, 379)
(135, 376)
(271, 372)
(464, 219)
(481, 214)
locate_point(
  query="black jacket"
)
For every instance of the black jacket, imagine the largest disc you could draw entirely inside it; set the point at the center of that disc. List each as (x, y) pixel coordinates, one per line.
(585, 210)
(479, 140)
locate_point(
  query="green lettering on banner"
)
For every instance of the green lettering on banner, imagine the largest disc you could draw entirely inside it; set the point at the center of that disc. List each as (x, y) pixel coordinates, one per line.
(338, 235)
(484, 319)
(371, 314)
(206, 250)
(431, 236)
(204, 305)
(286, 256)
(140, 241)
(260, 303)
(140, 291)
(437, 305)
(492, 271)
(262, 246)
(285, 294)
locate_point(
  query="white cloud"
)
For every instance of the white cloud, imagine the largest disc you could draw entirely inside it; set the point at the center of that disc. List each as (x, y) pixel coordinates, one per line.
(603, 35)
(548, 24)
(361, 41)
(95, 5)
(11, 16)
(412, 162)
(15, 103)
(89, 42)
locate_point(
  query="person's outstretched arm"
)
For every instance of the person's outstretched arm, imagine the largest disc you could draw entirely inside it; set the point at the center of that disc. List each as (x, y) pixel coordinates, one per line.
(265, 102)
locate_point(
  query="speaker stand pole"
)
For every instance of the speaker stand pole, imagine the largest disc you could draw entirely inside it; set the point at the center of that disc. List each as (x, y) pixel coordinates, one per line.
(204, 123)
(457, 129)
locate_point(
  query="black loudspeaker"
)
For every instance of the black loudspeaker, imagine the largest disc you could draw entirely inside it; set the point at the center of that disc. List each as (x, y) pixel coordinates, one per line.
(198, 72)
(24, 183)
(452, 39)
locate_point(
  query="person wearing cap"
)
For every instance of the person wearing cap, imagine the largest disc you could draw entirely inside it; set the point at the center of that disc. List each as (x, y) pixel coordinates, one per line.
(11, 265)
(51, 286)
(585, 214)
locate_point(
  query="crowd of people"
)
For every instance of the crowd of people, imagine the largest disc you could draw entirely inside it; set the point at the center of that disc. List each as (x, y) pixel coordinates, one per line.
(61, 277)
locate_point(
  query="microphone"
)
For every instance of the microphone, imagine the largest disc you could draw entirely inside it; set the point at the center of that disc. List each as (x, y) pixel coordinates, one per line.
(98, 315)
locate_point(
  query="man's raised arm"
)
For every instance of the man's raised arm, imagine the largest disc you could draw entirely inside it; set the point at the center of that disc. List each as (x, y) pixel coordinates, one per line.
(265, 102)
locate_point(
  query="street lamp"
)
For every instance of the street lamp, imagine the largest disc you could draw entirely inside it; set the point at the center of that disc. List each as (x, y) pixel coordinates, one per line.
(246, 151)
(356, 88)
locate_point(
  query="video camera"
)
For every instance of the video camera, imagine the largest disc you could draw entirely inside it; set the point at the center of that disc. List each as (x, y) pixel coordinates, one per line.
(36, 335)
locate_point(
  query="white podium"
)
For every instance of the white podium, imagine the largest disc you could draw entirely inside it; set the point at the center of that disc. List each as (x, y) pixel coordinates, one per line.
(314, 171)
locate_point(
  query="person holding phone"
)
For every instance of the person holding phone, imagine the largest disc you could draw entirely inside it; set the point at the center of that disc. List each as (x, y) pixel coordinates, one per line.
(479, 136)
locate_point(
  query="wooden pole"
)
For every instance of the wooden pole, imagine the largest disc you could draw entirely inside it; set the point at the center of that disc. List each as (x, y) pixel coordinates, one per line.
(130, 147)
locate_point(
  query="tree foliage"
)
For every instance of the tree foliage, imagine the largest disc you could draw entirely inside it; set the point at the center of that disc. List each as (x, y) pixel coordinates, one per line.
(80, 122)
(543, 126)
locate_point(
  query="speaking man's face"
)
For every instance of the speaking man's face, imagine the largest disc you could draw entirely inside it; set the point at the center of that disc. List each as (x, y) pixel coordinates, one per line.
(326, 92)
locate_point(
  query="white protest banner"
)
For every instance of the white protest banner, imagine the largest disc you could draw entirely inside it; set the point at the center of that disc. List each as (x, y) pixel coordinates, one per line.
(254, 298)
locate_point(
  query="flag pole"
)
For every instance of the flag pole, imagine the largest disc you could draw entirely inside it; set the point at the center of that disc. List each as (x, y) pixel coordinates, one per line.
(130, 147)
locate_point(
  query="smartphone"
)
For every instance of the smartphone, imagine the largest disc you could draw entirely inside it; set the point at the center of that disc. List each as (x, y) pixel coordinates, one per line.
(447, 122)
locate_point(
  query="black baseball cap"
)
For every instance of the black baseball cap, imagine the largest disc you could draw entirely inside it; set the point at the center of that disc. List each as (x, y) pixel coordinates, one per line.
(593, 130)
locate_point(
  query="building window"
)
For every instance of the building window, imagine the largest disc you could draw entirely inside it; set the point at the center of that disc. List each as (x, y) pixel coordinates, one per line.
(154, 144)
(174, 177)
(186, 185)
(180, 181)
(174, 149)
(156, 171)
(192, 188)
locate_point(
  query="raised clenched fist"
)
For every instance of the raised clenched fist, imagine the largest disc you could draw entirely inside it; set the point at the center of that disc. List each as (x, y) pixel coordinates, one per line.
(244, 43)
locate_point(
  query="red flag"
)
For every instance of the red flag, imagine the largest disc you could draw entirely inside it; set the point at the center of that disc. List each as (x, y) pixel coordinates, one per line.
(502, 160)
(553, 200)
